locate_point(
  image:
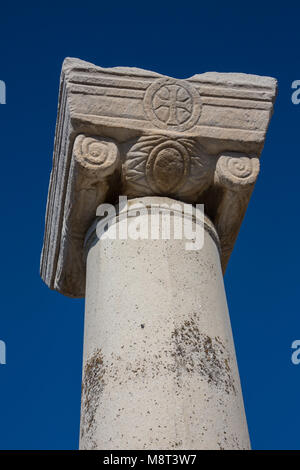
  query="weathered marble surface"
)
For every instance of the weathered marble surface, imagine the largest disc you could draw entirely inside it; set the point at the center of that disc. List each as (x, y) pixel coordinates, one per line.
(137, 133)
(159, 365)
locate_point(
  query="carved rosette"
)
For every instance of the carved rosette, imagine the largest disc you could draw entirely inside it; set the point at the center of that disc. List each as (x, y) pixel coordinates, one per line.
(160, 165)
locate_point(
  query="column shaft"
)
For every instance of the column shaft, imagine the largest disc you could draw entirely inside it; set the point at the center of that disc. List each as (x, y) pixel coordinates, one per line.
(159, 369)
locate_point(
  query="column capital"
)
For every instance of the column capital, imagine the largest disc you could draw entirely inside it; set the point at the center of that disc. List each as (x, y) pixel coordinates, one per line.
(128, 131)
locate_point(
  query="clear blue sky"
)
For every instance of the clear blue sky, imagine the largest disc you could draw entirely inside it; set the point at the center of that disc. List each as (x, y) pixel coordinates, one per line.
(40, 384)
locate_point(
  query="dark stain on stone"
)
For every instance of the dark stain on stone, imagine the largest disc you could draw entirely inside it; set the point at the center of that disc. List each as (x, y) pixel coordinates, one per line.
(196, 352)
(92, 387)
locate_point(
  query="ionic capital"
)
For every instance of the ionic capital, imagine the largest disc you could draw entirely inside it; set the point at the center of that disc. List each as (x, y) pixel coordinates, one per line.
(136, 133)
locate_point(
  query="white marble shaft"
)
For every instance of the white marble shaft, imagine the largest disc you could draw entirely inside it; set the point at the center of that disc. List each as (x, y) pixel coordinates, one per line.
(159, 368)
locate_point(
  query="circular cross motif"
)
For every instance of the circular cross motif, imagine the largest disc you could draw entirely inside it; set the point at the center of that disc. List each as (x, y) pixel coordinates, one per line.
(172, 104)
(167, 167)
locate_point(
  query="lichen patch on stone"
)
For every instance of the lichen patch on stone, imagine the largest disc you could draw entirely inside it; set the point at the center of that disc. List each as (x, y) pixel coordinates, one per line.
(199, 353)
(92, 387)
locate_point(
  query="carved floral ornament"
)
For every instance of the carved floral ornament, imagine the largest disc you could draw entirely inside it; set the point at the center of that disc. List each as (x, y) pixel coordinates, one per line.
(151, 165)
(167, 166)
(161, 165)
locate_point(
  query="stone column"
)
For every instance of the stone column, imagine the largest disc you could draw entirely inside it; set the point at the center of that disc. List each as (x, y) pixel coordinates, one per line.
(159, 362)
